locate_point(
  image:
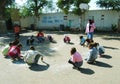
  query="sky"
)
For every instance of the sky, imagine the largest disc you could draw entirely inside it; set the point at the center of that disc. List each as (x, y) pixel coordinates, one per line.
(92, 4)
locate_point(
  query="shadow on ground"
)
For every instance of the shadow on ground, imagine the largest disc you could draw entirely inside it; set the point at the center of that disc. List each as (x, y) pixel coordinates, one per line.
(101, 64)
(111, 38)
(106, 56)
(71, 43)
(86, 71)
(111, 48)
(19, 62)
(40, 67)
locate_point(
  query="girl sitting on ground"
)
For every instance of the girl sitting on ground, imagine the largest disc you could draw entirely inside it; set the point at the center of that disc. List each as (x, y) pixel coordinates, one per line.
(76, 59)
(92, 54)
(66, 39)
(15, 52)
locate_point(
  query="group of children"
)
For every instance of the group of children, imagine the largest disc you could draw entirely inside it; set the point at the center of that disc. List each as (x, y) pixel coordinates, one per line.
(13, 51)
(31, 56)
(40, 38)
(95, 50)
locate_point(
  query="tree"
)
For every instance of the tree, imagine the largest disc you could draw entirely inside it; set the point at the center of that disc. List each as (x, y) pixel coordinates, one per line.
(36, 6)
(109, 4)
(33, 8)
(50, 6)
(25, 11)
(71, 5)
(3, 5)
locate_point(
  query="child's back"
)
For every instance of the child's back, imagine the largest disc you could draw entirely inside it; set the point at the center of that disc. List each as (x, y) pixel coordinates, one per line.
(92, 54)
(100, 48)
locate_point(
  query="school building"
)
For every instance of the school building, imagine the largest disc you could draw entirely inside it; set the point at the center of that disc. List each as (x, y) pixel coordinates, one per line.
(103, 20)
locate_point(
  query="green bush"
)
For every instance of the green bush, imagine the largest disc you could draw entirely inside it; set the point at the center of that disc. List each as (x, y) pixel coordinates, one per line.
(114, 27)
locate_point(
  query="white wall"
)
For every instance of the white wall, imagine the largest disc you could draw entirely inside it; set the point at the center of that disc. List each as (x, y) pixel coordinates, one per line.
(26, 22)
(103, 20)
(52, 20)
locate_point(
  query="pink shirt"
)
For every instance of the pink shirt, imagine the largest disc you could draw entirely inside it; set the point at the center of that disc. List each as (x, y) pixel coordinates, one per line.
(92, 28)
(76, 57)
(14, 50)
(67, 38)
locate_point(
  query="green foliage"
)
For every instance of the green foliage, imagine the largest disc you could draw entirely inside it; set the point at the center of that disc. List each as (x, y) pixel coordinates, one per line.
(36, 6)
(109, 4)
(71, 5)
(25, 12)
(4, 4)
(114, 27)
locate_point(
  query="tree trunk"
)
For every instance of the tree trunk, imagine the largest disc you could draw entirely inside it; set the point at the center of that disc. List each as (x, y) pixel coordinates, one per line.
(3, 26)
(119, 25)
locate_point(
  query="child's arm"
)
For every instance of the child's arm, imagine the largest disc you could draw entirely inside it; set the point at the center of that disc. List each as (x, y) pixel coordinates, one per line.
(41, 58)
(89, 56)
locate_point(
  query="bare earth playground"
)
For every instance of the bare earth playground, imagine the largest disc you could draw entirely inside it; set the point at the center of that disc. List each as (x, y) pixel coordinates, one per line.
(55, 69)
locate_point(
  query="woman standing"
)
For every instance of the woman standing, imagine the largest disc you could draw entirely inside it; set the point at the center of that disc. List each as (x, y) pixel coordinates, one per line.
(90, 29)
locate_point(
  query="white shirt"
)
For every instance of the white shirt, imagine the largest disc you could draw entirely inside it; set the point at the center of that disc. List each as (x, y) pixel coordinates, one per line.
(30, 56)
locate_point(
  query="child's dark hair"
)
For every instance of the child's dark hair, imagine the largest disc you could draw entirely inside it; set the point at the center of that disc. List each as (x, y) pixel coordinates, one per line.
(32, 48)
(19, 45)
(95, 44)
(73, 50)
(91, 45)
(81, 37)
(90, 40)
(11, 43)
(90, 21)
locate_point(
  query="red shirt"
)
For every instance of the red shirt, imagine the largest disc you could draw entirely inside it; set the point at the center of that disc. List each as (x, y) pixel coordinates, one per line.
(14, 50)
(40, 34)
(67, 38)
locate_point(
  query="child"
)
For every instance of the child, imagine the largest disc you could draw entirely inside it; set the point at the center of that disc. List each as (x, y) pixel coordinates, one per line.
(17, 31)
(100, 49)
(30, 40)
(92, 54)
(66, 39)
(50, 38)
(15, 52)
(76, 59)
(6, 49)
(82, 41)
(40, 37)
(16, 41)
(32, 56)
(89, 41)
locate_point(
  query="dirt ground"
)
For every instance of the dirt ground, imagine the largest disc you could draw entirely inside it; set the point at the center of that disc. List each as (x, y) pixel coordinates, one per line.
(55, 68)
